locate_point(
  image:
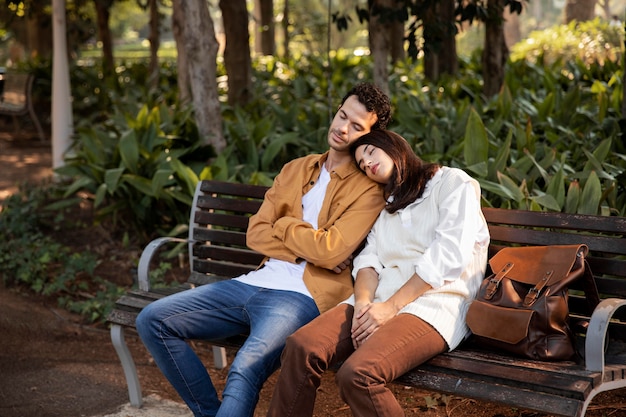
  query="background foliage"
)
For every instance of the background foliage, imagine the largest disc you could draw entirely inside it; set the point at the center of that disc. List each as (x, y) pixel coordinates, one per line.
(552, 140)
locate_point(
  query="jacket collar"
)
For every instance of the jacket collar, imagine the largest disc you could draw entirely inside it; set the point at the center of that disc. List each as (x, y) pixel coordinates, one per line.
(342, 171)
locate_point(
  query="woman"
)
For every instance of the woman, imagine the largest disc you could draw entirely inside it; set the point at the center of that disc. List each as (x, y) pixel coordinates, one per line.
(423, 262)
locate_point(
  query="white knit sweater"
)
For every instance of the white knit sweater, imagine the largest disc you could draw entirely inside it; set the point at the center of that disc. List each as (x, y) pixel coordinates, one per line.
(443, 237)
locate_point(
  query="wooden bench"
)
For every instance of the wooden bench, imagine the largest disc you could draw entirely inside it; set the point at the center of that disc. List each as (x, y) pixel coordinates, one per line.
(17, 100)
(217, 251)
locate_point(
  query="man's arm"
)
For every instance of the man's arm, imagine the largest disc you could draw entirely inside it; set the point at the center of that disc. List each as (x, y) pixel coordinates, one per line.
(259, 234)
(331, 244)
(278, 231)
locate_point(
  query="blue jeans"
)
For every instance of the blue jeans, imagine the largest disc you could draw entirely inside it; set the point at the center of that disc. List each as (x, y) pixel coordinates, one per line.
(215, 311)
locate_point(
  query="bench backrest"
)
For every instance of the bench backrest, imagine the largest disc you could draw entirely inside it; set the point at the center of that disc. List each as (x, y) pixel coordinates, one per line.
(221, 211)
(16, 90)
(217, 230)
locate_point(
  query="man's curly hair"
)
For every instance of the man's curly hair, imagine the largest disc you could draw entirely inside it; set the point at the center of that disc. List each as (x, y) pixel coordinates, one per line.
(374, 100)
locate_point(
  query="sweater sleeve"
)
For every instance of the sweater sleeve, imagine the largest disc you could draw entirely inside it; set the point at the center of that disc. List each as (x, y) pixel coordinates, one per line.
(368, 257)
(455, 234)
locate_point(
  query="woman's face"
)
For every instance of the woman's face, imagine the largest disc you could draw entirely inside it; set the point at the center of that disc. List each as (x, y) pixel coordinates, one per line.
(376, 164)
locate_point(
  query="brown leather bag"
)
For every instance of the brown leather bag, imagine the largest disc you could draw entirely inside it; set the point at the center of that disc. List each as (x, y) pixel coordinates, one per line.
(522, 307)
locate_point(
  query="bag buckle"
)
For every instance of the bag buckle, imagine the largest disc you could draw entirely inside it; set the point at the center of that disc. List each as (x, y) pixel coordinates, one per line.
(494, 282)
(533, 293)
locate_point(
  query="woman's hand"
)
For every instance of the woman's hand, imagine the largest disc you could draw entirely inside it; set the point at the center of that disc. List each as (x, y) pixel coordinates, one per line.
(368, 318)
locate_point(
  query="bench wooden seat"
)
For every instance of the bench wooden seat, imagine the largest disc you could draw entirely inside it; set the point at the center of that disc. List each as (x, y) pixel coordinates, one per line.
(217, 251)
(17, 100)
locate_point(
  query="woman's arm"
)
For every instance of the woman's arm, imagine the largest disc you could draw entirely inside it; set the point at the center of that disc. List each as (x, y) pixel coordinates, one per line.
(369, 317)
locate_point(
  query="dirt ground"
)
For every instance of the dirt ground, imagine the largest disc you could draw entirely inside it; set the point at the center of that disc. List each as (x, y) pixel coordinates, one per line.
(53, 365)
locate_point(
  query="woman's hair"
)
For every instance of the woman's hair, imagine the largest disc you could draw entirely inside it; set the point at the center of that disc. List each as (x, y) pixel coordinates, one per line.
(410, 174)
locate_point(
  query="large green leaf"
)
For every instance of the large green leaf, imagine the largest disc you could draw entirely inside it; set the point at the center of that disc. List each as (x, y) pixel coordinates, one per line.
(112, 178)
(129, 151)
(547, 201)
(141, 184)
(590, 196)
(476, 149)
(275, 146)
(573, 197)
(510, 185)
(160, 179)
(186, 174)
(502, 157)
(556, 187)
(497, 189)
(79, 184)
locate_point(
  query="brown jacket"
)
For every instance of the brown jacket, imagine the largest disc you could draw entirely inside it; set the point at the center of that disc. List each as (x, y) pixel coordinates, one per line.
(351, 205)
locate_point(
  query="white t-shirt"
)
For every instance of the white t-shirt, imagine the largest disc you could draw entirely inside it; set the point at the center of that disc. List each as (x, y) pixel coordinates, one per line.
(282, 275)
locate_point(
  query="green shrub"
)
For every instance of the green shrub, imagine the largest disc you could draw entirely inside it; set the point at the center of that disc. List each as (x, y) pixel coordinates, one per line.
(589, 42)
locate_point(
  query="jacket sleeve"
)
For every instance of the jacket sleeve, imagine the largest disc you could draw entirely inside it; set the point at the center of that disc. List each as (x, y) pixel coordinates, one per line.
(259, 235)
(334, 242)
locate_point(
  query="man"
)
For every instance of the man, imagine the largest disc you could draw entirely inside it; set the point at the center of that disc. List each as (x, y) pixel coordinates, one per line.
(316, 214)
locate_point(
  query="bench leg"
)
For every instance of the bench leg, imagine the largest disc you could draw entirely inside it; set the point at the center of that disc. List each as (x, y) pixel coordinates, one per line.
(219, 357)
(35, 120)
(130, 372)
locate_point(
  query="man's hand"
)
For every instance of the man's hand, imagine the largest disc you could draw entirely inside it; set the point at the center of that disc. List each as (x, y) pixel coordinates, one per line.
(345, 264)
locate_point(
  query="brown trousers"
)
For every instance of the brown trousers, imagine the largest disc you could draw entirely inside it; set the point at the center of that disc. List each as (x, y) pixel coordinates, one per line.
(401, 344)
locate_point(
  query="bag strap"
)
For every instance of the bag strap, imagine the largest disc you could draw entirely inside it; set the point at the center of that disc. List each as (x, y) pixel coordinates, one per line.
(533, 294)
(590, 288)
(494, 282)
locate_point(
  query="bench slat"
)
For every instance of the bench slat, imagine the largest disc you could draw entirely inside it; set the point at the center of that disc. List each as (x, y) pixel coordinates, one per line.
(210, 219)
(235, 189)
(566, 221)
(542, 237)
(220, 268)
(228, 204)
(224, 253)
(216, 236)
(431, 379)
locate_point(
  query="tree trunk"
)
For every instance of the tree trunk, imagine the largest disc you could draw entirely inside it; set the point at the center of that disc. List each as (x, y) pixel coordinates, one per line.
(184, 90)
(265, 32)
(39, 35)
(380, 43)
(495, 52)
(431, 43)
(285, 24)
(440, 55)
(237, 51)
(624, 87)
(448, 59)
(512, 31)
(201, 51)
(579, 10)
(397, 38)
(154, 39)
(103, 11)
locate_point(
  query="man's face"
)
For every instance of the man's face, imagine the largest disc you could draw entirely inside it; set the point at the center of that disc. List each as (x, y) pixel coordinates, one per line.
(351, 121)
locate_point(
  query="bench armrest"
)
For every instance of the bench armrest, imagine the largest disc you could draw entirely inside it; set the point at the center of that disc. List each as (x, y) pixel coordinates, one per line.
(143, 278)
(595, 341)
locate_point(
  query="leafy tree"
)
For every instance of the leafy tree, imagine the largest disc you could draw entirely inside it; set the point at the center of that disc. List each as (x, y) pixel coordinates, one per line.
(431, 28)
